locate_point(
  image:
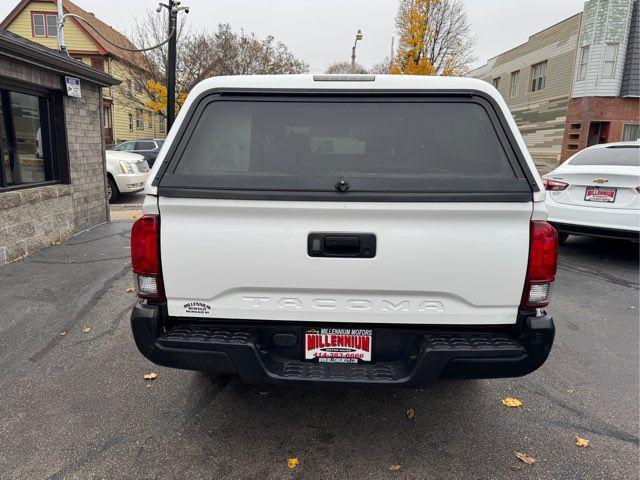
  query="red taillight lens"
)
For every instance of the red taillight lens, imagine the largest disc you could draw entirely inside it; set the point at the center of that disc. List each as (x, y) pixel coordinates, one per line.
(145, 257)
(554, 185)
(543, 262)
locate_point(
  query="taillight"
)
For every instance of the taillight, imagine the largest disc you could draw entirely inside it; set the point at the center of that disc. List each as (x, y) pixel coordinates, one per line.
(638, 189)
(543, 262)
(145, 257)
(554, 185)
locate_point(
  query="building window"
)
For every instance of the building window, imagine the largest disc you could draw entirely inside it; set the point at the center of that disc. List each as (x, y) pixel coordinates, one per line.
(161, 125)
(575, 126)
(631, 132)
(44, 24)
(98, 64)
(129, 89)
(139, 120)
(515, 77)
(584, 62)
(538, 76)
(496, 83)
(27, 151)
(131, 122)
(150, 119)
(138, 84)
(610, 57)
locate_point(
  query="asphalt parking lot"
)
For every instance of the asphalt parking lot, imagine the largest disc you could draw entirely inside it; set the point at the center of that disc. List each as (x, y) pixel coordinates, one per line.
(77, 406)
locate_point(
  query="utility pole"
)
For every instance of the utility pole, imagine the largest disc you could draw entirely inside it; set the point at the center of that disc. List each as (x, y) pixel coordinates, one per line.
(353, 50)
(61, 46)
(171, 64)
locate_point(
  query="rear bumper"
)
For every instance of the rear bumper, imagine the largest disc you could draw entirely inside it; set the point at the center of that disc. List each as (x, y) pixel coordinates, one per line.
(262, 353)
(594, 217)
(596, 231)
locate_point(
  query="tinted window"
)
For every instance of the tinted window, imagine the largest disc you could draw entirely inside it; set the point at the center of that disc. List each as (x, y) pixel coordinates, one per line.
(145, 146)
(618, 156)
(26, 151)
(330, 139)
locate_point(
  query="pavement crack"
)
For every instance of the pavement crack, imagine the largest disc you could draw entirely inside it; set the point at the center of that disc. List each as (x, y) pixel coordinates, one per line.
(607, 277)
(86, 458)
(82, 313)
(80, 262)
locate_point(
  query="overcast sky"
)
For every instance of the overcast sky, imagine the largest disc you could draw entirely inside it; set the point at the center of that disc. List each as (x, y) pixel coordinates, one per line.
(322, 31)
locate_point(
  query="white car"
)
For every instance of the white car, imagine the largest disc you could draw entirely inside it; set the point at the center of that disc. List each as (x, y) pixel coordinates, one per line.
(596, 192)
(362, 229)
(126, 173)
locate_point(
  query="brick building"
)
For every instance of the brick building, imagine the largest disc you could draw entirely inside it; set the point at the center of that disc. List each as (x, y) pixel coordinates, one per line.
(52, 168)
(604, 105)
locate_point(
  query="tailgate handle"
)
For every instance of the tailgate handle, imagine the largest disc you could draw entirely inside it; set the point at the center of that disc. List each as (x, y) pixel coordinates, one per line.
(355, 245)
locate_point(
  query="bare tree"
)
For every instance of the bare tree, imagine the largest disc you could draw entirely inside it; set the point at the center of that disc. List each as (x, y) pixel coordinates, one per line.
(199, 55)
(435, 38)
(345, 67)
(383, 67)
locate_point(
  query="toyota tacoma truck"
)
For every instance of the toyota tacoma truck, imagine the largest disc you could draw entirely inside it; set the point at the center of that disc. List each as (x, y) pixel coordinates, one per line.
(344, 229)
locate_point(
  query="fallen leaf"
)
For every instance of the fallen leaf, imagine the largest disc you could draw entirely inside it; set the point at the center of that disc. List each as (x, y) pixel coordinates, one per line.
(292, 462)
(130, 289)
(86, 329)
(511, 402)
(135, 215)
(393, 468)
(516, 467)
(71, 261)
(55, 242)
(150, 376)
(62, 334)
(410, 413)
(582, 442)
(525, 458)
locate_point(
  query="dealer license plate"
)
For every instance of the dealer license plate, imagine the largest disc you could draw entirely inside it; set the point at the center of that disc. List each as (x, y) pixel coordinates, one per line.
(338, 345)
(600, 194)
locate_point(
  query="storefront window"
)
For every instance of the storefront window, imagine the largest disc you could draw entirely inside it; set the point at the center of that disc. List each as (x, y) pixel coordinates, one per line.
(25, 140)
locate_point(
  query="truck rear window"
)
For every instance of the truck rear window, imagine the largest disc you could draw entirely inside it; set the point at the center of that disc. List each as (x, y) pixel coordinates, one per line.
(345, 139)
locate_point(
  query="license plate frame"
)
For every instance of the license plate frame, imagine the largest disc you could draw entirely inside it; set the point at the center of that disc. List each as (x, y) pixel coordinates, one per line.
(595, 194)
(338, 345)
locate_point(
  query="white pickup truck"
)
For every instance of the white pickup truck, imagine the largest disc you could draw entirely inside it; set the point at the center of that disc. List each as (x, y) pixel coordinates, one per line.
(344, 229)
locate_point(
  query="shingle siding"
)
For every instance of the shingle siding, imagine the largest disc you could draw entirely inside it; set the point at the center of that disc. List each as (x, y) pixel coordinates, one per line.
(631, 77)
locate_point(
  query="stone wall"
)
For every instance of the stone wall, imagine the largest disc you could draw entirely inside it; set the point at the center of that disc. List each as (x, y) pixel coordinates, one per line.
(87, 165)
(34, 218)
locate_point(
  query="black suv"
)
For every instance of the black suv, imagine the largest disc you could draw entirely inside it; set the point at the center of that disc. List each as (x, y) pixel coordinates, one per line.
(148, 147)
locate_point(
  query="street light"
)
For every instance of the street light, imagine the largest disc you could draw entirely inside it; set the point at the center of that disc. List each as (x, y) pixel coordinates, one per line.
(353, 50)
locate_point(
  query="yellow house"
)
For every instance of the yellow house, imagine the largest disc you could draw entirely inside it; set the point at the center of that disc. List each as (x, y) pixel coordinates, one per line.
(124, 114)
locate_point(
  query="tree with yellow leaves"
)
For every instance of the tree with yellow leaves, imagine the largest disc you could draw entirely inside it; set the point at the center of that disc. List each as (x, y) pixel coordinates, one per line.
(435, 38)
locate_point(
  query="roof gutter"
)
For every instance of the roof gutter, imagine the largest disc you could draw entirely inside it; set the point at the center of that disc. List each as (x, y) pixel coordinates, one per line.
(56, 63)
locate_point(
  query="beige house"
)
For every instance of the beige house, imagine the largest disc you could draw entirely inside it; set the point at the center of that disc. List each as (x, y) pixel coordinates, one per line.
(535, 79)
(124, 113)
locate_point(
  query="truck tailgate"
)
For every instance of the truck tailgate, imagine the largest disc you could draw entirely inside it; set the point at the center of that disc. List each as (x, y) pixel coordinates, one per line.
(435, 263)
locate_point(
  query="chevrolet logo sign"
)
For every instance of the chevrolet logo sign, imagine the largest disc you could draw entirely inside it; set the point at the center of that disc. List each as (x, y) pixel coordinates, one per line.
(601, 180)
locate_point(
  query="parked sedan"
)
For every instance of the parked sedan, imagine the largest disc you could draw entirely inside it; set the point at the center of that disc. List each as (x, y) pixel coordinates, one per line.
(126, 173)
(597, 192)
(147, 147)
